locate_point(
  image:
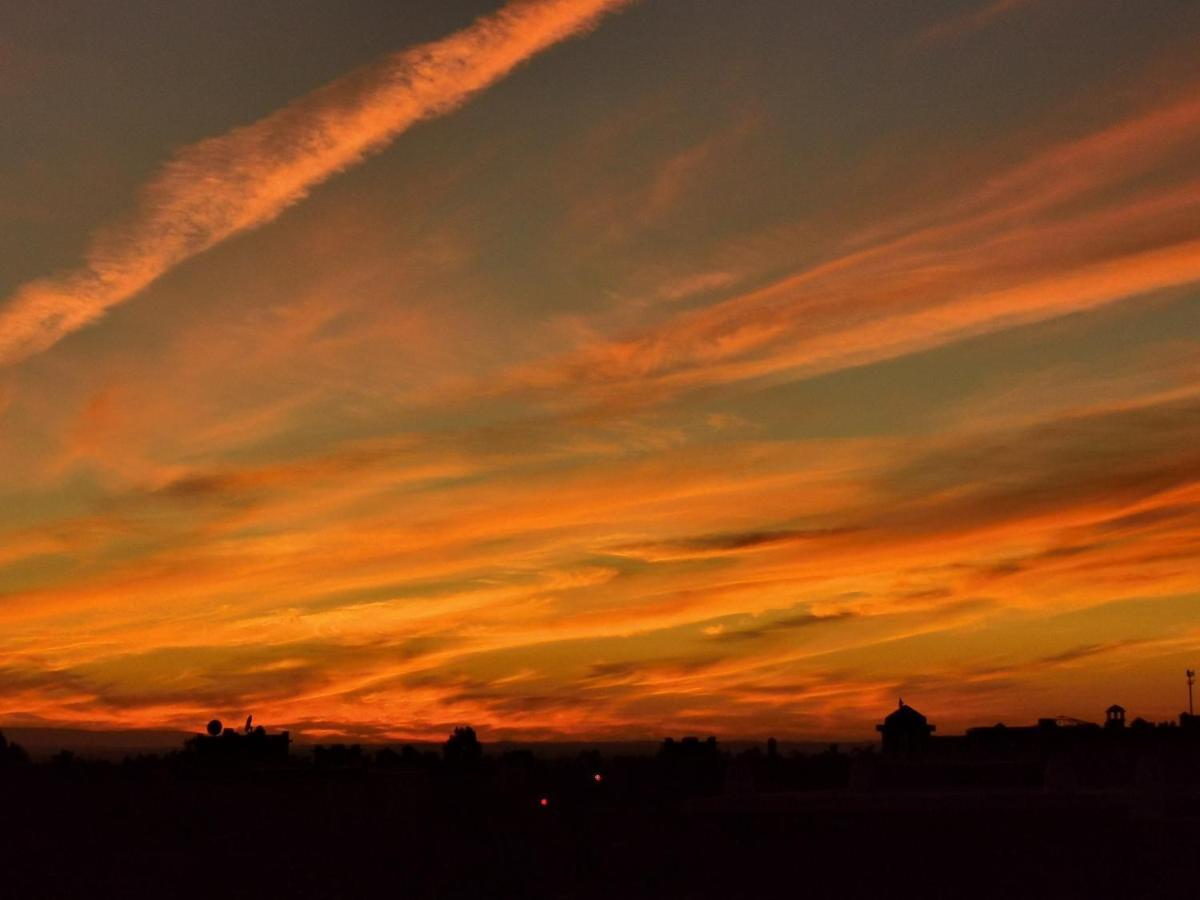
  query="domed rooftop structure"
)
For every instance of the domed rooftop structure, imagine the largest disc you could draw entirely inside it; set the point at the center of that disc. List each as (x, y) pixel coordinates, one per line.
(905, 731)
(903, 716)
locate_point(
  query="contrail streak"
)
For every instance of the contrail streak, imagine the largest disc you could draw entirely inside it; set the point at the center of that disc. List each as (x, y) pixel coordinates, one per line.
(240, 180)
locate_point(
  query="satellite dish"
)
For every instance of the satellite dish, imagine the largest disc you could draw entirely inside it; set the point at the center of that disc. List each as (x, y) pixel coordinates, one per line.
(214, 727)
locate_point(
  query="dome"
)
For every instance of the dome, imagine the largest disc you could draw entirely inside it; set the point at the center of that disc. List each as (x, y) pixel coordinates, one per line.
(905, 716)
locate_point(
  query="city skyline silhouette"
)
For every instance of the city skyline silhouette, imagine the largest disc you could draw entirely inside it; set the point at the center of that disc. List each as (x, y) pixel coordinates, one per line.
(471, 819)
(596, 369)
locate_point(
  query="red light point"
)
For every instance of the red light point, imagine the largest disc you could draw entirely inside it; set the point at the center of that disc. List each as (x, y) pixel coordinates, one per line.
(544, 802)
(597, 778)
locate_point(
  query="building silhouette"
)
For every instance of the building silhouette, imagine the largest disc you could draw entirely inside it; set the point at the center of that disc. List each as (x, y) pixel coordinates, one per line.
(1114, 717)
(254, 744)
(905, 732)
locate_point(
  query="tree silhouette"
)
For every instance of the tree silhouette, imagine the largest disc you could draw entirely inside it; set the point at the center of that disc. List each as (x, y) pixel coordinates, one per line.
(462, 749)
(12, 754)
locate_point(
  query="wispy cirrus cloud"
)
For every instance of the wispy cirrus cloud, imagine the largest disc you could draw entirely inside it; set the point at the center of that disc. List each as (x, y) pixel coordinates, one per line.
(1088, 222)
(219, 187)
(526, 434)
(969, 22)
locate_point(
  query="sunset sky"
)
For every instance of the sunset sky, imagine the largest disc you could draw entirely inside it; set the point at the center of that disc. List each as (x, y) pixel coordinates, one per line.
(597, 369)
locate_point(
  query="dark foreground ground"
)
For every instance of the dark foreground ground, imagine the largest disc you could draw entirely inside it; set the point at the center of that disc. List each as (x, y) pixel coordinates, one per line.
(122, 832)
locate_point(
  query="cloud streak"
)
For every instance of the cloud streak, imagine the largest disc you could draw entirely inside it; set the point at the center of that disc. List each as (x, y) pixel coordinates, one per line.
(969, 22)
(625, 431)
(222, 186)
(1069, 231)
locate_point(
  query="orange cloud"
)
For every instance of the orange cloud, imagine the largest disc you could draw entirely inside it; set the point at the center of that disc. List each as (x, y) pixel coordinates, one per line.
(243, 179)
(1061, 233)
(1070, 513)
(413, 483)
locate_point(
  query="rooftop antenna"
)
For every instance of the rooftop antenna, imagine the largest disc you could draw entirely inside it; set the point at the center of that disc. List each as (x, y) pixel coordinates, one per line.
(1191, 679)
